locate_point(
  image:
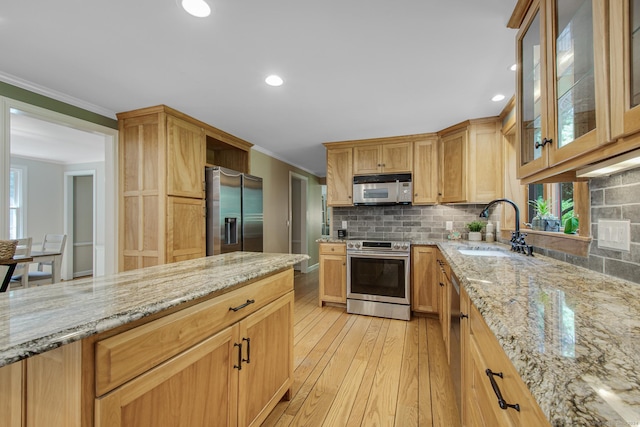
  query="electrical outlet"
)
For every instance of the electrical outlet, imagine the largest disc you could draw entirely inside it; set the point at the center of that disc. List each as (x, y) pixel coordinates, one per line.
(449, 226)
(614, 234)
(344, 224)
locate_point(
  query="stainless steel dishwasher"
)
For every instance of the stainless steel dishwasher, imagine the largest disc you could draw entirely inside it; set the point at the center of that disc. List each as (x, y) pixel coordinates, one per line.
(455, 366)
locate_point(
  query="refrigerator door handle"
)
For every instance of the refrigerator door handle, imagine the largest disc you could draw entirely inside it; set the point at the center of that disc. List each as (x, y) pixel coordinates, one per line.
(230, 231)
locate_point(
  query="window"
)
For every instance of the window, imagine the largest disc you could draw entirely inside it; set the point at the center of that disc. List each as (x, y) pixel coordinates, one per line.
(551, 202)
(16, 203)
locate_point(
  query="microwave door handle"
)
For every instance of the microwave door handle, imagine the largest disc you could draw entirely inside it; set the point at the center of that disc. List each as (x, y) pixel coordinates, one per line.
(397, 190)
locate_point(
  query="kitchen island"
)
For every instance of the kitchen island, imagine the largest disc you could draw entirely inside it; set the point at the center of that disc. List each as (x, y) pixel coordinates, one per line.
(101, 351)
(572, 334)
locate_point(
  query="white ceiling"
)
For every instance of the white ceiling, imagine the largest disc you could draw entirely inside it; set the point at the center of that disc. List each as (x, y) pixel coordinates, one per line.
(37, 139)
(353, 69)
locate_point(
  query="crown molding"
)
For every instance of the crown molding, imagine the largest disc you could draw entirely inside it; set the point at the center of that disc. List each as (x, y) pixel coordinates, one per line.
(58, 96)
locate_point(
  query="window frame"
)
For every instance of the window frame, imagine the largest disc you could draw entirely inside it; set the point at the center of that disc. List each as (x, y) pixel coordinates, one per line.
(21, 208)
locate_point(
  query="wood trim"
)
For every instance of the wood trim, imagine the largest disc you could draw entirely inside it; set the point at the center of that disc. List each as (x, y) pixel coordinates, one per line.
(374, 141)
(517, 16)
(467, 123)
(583, 209)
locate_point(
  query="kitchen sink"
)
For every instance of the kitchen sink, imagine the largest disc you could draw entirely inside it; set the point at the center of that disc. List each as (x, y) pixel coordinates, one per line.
(483, 252)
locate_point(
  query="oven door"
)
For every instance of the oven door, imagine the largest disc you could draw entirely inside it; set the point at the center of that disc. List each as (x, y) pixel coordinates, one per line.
(382, 277)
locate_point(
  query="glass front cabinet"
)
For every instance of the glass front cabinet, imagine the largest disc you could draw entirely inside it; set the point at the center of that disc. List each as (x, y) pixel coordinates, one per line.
(625, 66)
(563, 82)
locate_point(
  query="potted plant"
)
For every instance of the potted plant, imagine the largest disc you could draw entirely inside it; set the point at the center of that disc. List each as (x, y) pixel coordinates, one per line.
(571, 225)
(543, 219)
(475, 228)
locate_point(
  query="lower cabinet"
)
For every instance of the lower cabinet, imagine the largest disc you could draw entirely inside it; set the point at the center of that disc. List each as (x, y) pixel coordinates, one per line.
(487, 369)
(234, 377)
(424, 276)
(444, 301)
(333, 273)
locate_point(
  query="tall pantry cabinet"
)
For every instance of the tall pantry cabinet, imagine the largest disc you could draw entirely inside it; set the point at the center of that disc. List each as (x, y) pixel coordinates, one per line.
(162, 155)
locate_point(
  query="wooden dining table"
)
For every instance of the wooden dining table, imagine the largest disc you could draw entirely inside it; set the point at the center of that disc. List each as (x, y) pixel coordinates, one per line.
(11, 264)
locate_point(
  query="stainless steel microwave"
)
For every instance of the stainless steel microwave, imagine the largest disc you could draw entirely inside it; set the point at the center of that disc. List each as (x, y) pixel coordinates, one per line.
(390, 189)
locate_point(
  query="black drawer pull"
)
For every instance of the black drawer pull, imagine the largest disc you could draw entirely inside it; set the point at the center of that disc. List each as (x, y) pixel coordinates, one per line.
(464, 316)
(239, 365)
(248, 359)
(503, 405)
(240, 307)
(440, 283)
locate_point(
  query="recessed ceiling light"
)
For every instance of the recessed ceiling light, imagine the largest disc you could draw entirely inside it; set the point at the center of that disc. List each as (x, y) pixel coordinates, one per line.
(274, 80)
(514, 67)
(498, 97)
(197, 8)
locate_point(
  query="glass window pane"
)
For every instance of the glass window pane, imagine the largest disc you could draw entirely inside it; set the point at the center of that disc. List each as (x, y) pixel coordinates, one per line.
(531, 130)
(574, 70)
(536, 191)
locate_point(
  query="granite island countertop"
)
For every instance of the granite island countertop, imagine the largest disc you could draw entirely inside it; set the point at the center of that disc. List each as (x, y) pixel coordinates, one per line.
(38, 319)
(572, 334)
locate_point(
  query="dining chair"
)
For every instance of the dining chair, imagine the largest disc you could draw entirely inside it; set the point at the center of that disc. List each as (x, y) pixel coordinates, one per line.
(50, 243)
(22, 249)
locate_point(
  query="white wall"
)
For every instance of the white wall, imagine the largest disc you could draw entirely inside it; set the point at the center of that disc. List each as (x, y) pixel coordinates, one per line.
(44, 197)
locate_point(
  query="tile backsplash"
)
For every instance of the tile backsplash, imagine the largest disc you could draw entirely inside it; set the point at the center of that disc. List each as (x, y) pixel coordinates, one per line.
(616, 197)
(400, 222)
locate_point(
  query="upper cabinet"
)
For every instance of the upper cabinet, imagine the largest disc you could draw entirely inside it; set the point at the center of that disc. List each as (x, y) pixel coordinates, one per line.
(471, 167)
(340, 176)
(425, 170)
(624, 33)
(563, 83)
(382, 158)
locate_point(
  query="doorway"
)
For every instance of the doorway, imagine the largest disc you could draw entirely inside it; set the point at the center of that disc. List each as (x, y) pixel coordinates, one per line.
(80, 214)
(298, 218)
(23, 140)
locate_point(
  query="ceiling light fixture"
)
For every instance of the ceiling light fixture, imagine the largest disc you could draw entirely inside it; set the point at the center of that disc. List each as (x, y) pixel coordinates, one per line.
(274, 80)
(498, 97)
(630, 160)
(197, 8)
(514, 67)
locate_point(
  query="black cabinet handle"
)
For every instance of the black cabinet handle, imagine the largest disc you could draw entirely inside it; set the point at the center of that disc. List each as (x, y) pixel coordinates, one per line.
(240, 307)
(544, 142)
(501, 402)
(239, 365)
(464, 316)
(441, 284)
(248, 359)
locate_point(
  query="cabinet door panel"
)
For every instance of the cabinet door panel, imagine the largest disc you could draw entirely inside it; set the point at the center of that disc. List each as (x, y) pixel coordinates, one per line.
(185, 229)
(454, 166)
(424, 279)
(196, 388)
(186, 157)
(339, 176)
(425, 172)
(397, 157)
(267, 373)
(11, 391)
(367, 159)
(333, 278)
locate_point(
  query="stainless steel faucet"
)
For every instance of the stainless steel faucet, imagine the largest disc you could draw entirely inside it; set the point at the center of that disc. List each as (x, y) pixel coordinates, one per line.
(518, 243)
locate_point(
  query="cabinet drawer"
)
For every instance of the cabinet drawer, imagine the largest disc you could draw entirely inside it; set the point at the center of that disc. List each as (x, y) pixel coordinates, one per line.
(333, 249)
(127, 355)
(486, 353)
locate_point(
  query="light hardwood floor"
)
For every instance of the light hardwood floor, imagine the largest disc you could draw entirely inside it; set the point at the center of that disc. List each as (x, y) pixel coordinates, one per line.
(355, 370)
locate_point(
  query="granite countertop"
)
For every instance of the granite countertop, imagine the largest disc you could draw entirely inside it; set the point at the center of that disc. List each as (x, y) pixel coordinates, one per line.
(572, 334)
(38, 319)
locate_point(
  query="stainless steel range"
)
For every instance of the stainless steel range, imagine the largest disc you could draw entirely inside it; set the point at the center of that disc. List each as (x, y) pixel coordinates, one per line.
(378, 278)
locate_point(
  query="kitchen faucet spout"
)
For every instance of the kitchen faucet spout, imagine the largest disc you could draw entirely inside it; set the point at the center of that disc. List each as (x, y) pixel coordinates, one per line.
(517, 239)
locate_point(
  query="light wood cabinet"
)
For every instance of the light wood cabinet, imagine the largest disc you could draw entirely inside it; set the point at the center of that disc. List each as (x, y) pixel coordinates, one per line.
(471, 167)
(162, 159)
(444, 300)
(390, 157)
(333, 273)
(425, 171)
(11, 395)
(562, 83)
(340, 176)
(234, 377)
(424, 279)
(482, 351)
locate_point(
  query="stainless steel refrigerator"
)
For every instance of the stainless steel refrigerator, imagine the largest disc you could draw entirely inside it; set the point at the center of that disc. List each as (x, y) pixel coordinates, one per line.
(234, 211)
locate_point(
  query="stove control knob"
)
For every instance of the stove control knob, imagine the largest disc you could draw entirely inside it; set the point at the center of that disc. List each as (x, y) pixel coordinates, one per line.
(405, 246)
(396, 246)
(350, 245)
(358, 245)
